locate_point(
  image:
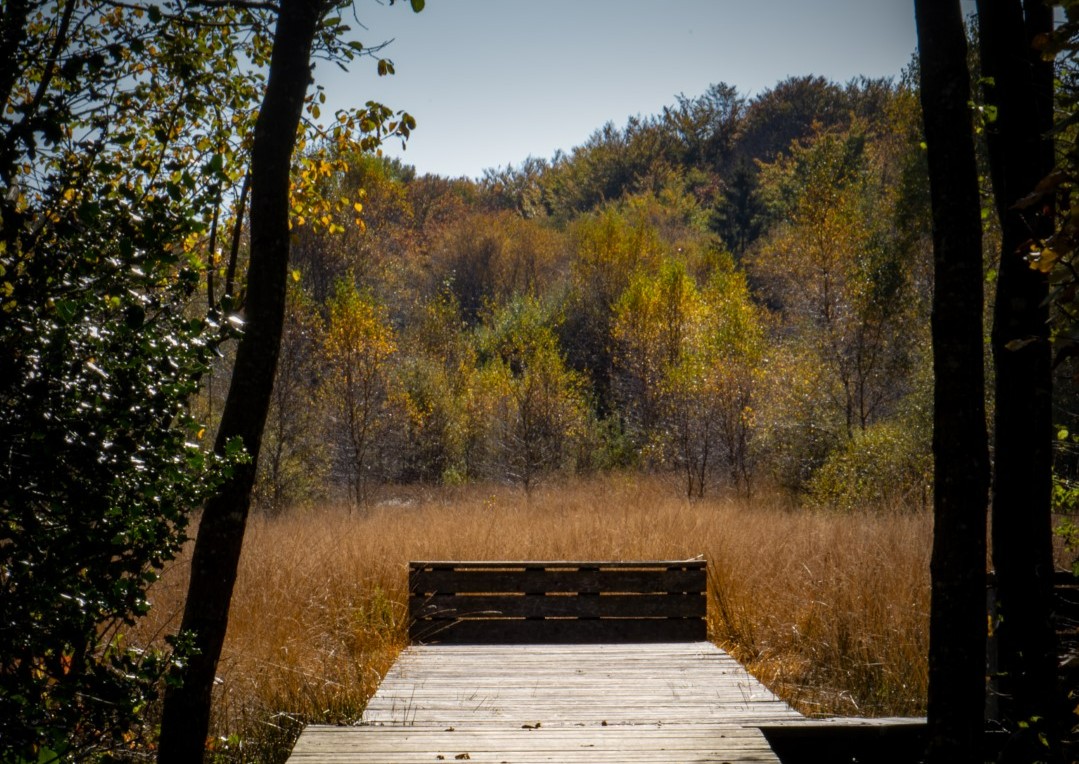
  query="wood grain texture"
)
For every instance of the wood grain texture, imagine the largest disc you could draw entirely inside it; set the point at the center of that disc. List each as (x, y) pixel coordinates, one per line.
(564, 601)
(556, 631)
(664, 703)
(600, 606)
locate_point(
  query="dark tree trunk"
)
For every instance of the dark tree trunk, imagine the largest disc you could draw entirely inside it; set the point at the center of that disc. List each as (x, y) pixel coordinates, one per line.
(185, 720)
(1020, 86)
(957, 629)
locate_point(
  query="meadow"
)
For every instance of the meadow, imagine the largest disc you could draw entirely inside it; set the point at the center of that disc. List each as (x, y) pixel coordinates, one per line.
(828, 609)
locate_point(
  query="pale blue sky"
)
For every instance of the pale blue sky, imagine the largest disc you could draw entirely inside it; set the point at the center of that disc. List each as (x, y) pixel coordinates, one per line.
(491, 82)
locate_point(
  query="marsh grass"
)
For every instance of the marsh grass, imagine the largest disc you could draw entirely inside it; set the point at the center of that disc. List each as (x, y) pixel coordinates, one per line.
(829, 610)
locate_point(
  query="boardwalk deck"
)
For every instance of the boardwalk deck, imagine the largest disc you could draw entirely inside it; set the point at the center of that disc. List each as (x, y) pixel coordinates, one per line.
(558, 661)
(661, 702)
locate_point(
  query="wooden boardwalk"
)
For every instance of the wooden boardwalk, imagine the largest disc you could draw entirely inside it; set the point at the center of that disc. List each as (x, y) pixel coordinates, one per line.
(673, 703)
(559, 662)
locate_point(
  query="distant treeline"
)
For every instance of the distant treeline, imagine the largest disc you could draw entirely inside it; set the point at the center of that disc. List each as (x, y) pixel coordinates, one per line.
(735, 291)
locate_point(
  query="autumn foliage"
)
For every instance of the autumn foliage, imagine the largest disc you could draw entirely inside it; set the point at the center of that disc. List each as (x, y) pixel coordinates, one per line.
(745, 314)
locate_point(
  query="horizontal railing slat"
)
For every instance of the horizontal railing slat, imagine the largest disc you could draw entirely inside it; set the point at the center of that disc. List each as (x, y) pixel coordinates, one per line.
(557, 601)
(552, 564)
(564, 631)
(546, 581)
(602, 606)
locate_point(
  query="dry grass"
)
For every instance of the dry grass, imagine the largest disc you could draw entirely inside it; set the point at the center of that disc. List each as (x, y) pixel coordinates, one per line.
(829, 610)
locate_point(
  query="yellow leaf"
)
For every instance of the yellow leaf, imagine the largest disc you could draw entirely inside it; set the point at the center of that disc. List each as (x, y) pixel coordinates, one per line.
(358, 207)
(1044, 261)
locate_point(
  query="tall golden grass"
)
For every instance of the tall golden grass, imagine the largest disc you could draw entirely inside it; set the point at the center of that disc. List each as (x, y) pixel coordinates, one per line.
(829, 610)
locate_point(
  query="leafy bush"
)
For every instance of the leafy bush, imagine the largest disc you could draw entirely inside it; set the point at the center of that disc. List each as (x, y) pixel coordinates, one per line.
(887, 462)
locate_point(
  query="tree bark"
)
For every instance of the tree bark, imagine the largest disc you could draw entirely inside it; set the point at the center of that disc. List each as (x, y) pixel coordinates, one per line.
(957, 627)
(185, 720)
(1020, 85)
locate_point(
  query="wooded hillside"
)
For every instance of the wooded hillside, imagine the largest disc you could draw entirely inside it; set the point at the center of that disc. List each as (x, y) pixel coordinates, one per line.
(734, 292)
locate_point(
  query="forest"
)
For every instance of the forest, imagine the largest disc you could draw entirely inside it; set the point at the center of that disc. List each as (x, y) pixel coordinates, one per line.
(733, 293)
(822, 335)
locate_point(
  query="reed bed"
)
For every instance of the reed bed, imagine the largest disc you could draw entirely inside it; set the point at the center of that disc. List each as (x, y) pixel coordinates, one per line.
(830, 610)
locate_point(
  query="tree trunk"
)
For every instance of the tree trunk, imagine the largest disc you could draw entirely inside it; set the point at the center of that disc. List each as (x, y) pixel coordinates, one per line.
(1020, 85)
(186, 714)
(957, 628)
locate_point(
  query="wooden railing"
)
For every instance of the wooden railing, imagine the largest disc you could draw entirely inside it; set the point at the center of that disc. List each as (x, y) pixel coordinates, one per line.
(518, 602)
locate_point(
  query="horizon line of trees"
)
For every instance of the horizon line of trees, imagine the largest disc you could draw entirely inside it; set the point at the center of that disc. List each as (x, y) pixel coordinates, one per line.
(734, 292)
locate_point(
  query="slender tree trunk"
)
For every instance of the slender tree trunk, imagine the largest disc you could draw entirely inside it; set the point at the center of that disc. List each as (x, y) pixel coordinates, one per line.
(1020, 86)
(957, 627)
(185, 720)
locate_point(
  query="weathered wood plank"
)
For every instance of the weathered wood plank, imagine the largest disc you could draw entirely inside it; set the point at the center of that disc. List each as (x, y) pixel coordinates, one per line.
(556, 631)
(555, 564)
(566, 685)
(613, 667)
(598, 744)
(564, 581)
(600, 606)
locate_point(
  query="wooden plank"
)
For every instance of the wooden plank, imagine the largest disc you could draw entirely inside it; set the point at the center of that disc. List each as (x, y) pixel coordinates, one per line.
(570, 581)
(553, 564)
(557, 631)
(596, 744)
(515, 606)
(666, 683)
(664, 703)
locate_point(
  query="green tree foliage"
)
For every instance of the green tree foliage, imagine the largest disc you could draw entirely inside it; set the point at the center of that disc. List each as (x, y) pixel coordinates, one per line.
(112, 161)
(832, 265)
(435, 389)
(539, 406)
(608, 247)
(706, 127)
(656, 319)
(886, 464)
(686, 360)
(301, 29)
(738, 213)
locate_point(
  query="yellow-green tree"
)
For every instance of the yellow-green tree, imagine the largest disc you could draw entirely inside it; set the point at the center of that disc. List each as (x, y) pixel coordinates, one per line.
(835, 267)
(435, 389)
(356, 349)
(687, 361)
(540, 410)
(657, 319)
(733, 348)
(607, 249)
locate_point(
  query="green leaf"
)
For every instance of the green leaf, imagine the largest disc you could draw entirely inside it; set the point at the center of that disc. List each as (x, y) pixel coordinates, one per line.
(1015, 345)
(417, 5)
(66, 310)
